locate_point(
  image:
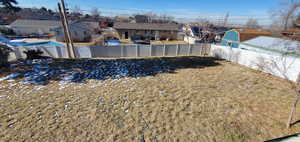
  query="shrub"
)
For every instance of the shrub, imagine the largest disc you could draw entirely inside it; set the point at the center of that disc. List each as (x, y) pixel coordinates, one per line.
(7, 31)
(219, 54)
(4, 54)
(34, 54)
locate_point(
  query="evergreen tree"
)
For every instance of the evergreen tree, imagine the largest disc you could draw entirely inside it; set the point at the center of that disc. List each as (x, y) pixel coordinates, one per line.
(9, 5)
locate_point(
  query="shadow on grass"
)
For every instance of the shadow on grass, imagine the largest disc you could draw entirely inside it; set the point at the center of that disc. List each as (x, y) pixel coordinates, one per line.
(295, 123)
(4, 53)
(286, 138)
(80, 70)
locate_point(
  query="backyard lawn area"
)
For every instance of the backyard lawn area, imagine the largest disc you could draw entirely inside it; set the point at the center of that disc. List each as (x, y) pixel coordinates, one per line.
(182, 99)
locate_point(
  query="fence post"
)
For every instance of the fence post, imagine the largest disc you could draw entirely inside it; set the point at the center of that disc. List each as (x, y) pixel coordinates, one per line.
(177, 46)
(122, 54)
(201, 48)
(150, 50)
(137, 50)
(164, 50)
(206, 49)
(209, 49)
(57, 52)
(189, 50)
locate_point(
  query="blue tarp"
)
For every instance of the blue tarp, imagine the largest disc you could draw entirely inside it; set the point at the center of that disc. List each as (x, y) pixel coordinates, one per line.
(113, 42)
(5, 40)
(16, 44)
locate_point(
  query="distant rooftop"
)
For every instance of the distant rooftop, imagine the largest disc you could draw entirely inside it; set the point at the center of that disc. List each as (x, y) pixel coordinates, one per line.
(247, 34)
(146, 26)
(24, 22)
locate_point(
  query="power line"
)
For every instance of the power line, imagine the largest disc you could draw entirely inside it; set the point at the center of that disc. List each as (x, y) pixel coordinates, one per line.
(241, 18)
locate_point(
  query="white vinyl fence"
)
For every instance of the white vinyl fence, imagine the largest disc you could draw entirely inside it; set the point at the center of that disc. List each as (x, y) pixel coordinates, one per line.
(119, 51)
(149, 50)
(280, 65)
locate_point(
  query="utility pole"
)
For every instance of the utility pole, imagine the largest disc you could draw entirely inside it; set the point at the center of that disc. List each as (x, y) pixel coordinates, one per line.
(72, 55)
(226, 19)
(65, 30)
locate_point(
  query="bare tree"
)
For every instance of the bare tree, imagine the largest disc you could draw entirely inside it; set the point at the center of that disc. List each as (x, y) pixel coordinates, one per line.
(295, 87)
(76, 13)
(95, 12)
(286, 13)
(4, 54)
(203, 22)
(151, 16)
(281, 65)
(164, 18)
(252, 24)
(10, 5)
(77, 10)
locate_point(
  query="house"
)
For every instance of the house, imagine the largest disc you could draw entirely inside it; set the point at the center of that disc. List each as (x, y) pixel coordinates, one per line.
(28, 27)
(80, 31)
(187, 34)
(233, 37)
(147, 31)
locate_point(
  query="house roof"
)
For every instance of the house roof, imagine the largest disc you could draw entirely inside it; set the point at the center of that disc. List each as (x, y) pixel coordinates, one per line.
(29, 23)
(291, 32)
(273, 43)
(246, 34)
(146, 26)
(88, 26)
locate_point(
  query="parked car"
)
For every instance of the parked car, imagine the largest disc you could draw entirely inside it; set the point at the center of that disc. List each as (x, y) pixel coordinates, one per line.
(144, 42)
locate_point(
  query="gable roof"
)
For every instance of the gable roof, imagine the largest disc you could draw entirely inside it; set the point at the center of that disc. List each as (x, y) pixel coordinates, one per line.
(29, 23)
(146, 26)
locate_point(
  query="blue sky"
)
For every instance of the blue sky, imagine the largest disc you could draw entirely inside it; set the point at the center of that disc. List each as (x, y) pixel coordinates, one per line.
(192, 9)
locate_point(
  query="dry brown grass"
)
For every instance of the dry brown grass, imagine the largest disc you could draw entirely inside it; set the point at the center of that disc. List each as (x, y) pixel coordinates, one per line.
(225, 103)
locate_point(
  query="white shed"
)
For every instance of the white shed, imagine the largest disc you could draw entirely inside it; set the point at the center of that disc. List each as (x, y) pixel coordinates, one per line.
(80, 31)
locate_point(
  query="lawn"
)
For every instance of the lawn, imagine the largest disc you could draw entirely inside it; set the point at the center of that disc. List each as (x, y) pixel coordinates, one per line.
(146, 100)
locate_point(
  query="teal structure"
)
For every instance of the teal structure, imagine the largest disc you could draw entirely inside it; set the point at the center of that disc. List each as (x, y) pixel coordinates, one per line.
(231, 38)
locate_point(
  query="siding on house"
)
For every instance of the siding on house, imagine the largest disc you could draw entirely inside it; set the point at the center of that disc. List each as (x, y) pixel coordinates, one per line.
(151, 31)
